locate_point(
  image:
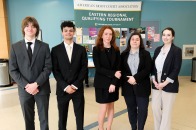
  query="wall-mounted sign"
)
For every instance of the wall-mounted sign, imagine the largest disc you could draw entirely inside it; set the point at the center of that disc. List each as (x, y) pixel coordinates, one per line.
(116, 14)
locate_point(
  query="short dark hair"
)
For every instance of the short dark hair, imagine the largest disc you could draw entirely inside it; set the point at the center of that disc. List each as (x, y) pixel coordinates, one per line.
(28, 20)
(67, 24)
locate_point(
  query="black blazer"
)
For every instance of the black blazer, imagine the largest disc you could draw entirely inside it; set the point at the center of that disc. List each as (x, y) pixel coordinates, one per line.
(142, 77)
(171, 68)
(24, 72)
(104, 72)
(67, 73)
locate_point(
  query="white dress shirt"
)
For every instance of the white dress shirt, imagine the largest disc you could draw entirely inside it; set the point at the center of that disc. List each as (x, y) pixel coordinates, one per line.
(159, 62)
(133, 61)
(69, 49)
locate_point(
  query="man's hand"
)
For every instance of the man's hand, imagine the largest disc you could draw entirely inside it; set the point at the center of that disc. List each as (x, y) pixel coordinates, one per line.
(32, 88)
(70, 89)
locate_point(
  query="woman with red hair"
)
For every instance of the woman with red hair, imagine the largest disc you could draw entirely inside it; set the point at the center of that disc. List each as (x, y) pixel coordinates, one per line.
(106, 57)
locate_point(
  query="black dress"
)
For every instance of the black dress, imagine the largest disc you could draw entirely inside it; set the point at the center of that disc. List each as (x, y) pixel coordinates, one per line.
(102, 95)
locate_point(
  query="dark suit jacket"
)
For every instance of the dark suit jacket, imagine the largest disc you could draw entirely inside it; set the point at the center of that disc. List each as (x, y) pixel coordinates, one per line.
(171, 68)
(143, 87)
(24, 72)
(104, 73)
(67, 73)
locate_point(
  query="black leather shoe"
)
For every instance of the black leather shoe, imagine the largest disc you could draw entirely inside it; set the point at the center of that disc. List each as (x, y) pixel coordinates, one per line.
(87, 85)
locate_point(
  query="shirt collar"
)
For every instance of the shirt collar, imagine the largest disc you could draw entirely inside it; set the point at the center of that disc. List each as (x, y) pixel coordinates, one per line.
(33, 41)
(166, 50)
(137, 51)
(71, 45)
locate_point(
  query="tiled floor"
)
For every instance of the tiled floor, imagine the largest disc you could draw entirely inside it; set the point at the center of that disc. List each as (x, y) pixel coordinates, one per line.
(183, 118)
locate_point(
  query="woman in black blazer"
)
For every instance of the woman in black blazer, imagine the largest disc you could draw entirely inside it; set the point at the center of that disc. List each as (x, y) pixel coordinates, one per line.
(136, 66)
(106, 57)
(167, 62)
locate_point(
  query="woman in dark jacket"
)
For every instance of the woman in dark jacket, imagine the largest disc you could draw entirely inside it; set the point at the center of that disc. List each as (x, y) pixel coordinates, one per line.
(106, 57)
(167, 62)
(136, 66)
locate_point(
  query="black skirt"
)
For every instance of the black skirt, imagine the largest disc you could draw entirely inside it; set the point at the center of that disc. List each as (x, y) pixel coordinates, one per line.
(103, 95)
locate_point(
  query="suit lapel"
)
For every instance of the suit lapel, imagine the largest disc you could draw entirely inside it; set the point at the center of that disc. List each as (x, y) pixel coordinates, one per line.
(126, 64)
(24, 50)
(140, 60)
(64, 52)
(113, 56)
(168, 58)
(74, 52)
(35, 51)
(105, 58)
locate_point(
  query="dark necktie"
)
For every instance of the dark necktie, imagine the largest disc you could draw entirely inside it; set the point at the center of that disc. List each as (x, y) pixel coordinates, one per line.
(29, 50)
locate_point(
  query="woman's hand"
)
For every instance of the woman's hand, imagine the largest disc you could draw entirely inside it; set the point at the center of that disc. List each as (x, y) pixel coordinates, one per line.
(155, 83)
(112, 88)
(162, 85)
(131, 80)
(118, 74)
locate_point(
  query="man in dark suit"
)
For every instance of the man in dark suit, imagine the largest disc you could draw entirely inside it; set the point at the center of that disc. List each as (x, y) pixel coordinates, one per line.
(69, 68)
(30, 66)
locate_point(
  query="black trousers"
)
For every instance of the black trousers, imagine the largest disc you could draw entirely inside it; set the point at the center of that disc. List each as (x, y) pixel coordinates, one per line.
(137, 111)
(78, 105)
(28, 108)
(86, 77)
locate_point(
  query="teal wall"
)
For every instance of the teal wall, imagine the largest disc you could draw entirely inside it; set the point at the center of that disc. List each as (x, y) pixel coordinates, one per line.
(179, 15)
(49, 13)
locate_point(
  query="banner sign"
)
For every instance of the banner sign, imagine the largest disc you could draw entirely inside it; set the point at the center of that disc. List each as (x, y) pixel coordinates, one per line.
(116, 14)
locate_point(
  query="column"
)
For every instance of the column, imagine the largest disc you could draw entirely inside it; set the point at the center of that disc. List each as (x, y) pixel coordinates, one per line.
(4, 32)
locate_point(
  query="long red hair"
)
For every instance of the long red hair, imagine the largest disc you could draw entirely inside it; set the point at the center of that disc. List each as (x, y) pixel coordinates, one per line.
(99, 40)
